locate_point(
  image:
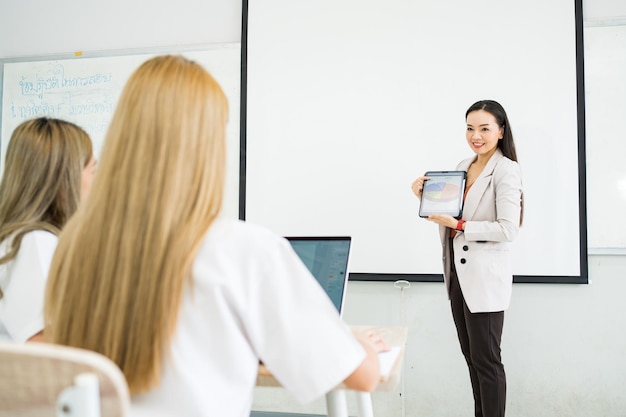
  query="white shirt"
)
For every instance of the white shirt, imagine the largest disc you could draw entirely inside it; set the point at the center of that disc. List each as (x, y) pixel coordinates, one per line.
(23, 283)
(253, 299)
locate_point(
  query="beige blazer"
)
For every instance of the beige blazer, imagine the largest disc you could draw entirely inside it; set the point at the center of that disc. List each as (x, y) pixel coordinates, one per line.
(482, 252)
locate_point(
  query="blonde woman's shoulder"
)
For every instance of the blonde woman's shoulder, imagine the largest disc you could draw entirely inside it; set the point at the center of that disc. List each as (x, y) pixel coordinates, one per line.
(40, 241)
(37, 239)
(225, 231)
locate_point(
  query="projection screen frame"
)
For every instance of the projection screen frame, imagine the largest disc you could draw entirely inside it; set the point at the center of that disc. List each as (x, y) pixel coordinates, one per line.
(582, 278)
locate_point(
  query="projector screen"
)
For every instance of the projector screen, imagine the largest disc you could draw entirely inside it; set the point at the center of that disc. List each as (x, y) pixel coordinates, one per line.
(348, 102)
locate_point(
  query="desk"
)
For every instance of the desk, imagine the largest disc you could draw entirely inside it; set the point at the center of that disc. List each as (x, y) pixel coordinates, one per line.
(336, 399)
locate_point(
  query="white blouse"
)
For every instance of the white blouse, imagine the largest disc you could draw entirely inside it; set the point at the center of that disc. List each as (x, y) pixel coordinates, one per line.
(23, 282)
(252, 299)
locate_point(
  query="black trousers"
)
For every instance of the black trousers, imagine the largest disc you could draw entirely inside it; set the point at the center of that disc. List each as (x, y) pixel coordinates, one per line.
(480, 335)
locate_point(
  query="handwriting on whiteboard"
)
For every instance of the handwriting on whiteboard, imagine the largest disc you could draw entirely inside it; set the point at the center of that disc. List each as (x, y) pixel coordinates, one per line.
(53, 93)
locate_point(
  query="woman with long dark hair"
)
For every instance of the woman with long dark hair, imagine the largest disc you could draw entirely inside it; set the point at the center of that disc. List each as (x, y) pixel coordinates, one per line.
(476, 250)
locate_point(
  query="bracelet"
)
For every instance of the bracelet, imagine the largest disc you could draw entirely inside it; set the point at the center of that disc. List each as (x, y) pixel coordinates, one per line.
(459, 225)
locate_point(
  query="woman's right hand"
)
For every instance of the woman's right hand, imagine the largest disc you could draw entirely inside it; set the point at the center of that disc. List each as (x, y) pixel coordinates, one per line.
(367, 375)
(373, 339)
(418, 186)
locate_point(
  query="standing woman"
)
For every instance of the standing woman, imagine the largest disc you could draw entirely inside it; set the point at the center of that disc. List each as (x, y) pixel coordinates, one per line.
(476, 250)
(48, 169)
(187, 302)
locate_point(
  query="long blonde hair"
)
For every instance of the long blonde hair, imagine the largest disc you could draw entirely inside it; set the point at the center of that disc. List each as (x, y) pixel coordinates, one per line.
(40, 188)
(122, 263)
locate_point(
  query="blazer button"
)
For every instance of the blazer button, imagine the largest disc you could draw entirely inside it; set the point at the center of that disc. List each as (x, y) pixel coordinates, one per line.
(465, 248)
(463, 260)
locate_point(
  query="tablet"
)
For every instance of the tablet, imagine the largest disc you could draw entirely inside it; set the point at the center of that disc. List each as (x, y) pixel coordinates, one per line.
(443, 193)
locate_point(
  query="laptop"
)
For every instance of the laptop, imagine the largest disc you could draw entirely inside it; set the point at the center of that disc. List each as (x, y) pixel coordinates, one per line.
(327, 259)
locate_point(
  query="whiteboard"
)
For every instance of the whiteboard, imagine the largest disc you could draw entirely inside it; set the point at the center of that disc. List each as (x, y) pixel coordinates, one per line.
(347, 103)
(85, 90)
(605, 85)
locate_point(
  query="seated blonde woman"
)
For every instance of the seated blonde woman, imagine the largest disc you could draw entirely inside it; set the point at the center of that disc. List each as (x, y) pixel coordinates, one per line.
(48, 168)
(185, 302)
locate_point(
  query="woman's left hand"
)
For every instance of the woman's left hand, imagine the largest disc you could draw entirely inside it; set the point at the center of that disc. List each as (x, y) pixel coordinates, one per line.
(418, 186)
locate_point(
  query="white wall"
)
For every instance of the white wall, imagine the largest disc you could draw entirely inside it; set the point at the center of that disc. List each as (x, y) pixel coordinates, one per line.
(564, 346)
(39, 27)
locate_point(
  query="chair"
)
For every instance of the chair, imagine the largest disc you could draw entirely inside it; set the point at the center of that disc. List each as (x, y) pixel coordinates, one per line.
(46, 380)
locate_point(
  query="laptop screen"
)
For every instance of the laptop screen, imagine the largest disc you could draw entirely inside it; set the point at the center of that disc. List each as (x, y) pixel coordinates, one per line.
(327, 259)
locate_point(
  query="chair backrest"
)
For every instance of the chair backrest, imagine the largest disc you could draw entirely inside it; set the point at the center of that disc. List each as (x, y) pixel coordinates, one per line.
(34, 375)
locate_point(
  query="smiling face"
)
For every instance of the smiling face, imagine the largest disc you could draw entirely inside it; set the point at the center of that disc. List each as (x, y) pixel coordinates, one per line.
(483, 133)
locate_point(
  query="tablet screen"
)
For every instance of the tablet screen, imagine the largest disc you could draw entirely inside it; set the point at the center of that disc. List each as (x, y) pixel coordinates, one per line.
(443, 193)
